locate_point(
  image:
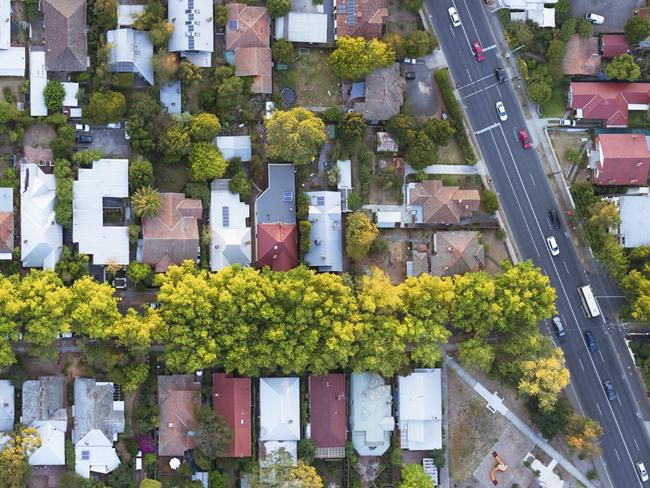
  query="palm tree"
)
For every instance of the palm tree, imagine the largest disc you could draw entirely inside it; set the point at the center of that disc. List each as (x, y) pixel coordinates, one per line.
(146, 202)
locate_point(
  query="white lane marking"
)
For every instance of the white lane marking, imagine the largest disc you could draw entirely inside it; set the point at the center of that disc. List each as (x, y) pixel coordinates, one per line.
(618, 399)
(635, 443)
(499, 90)
(601, 356)
(532, 179)
(479, 91)
(581, 365)
(451, 28)
(619, 457)
(566, 267)
(468, 75)
(485, 129)
(475, 81)
(489, 48)
(599, 410)
(462, 26)
(471, 17)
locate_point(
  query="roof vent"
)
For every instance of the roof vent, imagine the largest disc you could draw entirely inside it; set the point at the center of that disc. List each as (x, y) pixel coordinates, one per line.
(170, 425)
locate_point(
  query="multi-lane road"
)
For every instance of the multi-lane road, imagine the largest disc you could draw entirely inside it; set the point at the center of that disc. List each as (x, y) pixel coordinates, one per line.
(526, 198)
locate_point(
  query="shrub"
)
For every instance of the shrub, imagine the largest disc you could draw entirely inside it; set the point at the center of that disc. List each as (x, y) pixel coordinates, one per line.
(54, 95)
(282, 52)
(490, 201)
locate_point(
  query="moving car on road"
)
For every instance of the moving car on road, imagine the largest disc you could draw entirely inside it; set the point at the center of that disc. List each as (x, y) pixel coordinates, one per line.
(590, 341)
(609, 390)
(559, 328)
(552, 246)
(523, 138)
(453, 15)
(501, 77)
(501, 110)
(640, 468)
(478, 51)
(554, 218)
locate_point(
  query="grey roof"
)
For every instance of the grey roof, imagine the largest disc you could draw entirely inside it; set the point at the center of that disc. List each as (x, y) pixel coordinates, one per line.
(326, 250)
(43, 399)
(131, 52)
(6, 406)
(66, 47)
(384, 94)
(278, 202)
(234, 147)
(170, 96)
(6, 200)
(94, 409)
(635, 220)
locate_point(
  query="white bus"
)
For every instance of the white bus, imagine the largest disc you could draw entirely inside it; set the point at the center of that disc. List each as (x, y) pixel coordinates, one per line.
(588, 301)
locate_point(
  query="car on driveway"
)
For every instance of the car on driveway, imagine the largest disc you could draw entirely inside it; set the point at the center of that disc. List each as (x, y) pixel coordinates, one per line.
(609, 390)
(567, 123)
(594, 18)
(590, 341)
(501, 111)
(552, 246)
(524, 139)
(410, 75)
(478, 51)
(453, 15)
(501, 77)
(82, 127)
(554, 217)
(80, 139)
(114, 125)
(559, 328)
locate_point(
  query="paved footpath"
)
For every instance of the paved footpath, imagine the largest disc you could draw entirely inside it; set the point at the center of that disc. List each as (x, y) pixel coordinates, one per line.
(495, 404)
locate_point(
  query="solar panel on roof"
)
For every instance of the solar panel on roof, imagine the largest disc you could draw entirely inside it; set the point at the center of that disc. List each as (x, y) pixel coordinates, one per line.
(225, 216)
(342, 8)
(85, 455)
(320, 201)
(190, 43)
(352, 12)
(288, 196)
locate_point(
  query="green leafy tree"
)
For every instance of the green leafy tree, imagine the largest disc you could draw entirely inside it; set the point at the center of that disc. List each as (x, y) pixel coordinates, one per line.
(355, 57)
(204, 127)
(294, 135)
(413, 476)
(72, 265)
(86, 157)
(540, 92)
(490, 201)
(477, 353)
(160, 33)
(304, 238)
(403, 128)
(582, 435)
(139, 272)
(10, 307)
(63, 205)
(206, 162)
(551, 422)
(94, 308)
(21, 443)
(189, 73)
(555, 52)
(54, 95)
(396, 43)
(144, 122)
(140, 174)
(146, 202)
(105, 14)
(240, 184)
(584, 28)
(230, 95)
(165, 66)
(175, 143)
(213, 434)
(568, 28)
(422, 152)
(623, 67)
(414, 5)
(221, 15)
(352, 126)
(636, 29)
(439, 131)
(418, 44)
(282, 51)
(105, 107)
(360, 231)
(64, 143)
(522, 32)
(544, 378)
(278, 8)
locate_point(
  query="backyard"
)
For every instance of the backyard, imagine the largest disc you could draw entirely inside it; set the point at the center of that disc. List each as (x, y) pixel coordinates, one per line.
(556, 105)
(170, 177)
(309, 75)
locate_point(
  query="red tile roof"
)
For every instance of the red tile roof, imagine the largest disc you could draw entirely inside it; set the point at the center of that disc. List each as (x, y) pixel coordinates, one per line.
(6, 232)
(607, 101)
(247, 26)
(368, 18)
(328, 410)
(626, 160)
(231, 397)
(255, 61)
(613, 45)
(277, 246)
(443, 204)
(178, 397)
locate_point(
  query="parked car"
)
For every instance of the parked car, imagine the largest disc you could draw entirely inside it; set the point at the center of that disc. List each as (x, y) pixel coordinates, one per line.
(501, 111)
(640, 469)
(609, 390)
(567, 123)
(559, 328)
(410, 60)
(410, 75)
(114, 125)
(453, 15)
(501, 77)
(81, 139)
(554, 217)
(590, 341)
(594, 18)
(478, 51)
(82, 127)
(552, 246)
(523, 138)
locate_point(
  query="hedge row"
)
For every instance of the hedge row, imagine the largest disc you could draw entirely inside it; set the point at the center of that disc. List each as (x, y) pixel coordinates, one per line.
(455, 114)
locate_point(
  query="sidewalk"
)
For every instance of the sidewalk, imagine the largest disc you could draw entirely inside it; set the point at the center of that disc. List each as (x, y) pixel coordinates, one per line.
(446, 169)
(495, 404)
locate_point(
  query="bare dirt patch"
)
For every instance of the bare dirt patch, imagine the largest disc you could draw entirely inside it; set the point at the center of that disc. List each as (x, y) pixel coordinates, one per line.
(495, 251)
(393, 262)
(563, 141)
(400, 20)
(39, 135)
(450, 154)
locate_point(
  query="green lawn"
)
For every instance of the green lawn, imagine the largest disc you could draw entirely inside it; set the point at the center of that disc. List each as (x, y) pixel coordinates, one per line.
(556, 106)
(170, 177)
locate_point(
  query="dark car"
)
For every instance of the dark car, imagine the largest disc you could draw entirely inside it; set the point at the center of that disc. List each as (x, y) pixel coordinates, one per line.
(559, 328)
(590, 341)
(501, 77)
(609, 390)
(524, 139)
(82, 139)
(554, 217)
(478, 51)
(410, 75)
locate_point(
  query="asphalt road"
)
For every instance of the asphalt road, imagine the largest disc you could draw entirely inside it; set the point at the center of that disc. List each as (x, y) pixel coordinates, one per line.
(526, 197)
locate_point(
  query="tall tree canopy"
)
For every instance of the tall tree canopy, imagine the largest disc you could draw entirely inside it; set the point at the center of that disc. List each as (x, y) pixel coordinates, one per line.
(294, 135)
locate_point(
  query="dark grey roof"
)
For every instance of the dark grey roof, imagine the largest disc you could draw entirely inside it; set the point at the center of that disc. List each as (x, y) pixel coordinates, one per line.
(278, 202)
(66, 47)
(93, 409)
(43, 399)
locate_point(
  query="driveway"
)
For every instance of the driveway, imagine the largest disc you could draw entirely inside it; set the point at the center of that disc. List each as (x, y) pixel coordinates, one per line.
(110, 141)
(420, 93)
(616, 12)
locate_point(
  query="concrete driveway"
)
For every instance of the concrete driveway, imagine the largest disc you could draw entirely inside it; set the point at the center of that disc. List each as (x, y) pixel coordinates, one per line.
(110, 141)
(616, 12)
(420, 93)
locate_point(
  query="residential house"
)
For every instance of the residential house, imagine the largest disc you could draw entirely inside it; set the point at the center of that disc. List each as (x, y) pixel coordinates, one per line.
(6, 406)
(179, 396)
(326, 235)
(275, 220)
(344, 169)
(98, 413)
(99, 199)
(230, 230)
(12, 59)
(371, 420)
(131, 51)
(193, 34)
(170, 97)
(608, 101)
(37, 82)
(537, 11)
(430, 202)
(611, 45)
(582, 56)
(419, 410)
(234, 147)
(6, 223)
(328, 413)
(388, 219)
(231, 398)
(5, 21)
(385, 143)
(384, 94)
(620, 160)
(44, 409)
(127, 14)
(41, 238)
(634, 212)
(280, 414)
(456, 252)
(248, 41)
(64, 25)
(172, 235)
(360, 18)
(302, 27)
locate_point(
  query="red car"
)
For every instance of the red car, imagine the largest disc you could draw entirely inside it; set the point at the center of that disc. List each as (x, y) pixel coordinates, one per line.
(478, 51)
(523, 137)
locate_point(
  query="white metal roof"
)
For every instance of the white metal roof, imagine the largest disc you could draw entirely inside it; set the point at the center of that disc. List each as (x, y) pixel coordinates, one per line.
(52, 450)
(37, 82)
(193, 34)
(420, 409)
(307, 27)
(234, 147)
(231, 238)
(388, 219)
(41, 237)
(326, 249)
(170, 96)
(95, 453)
(6, 199)
(345, 174)
(126, 14)
(5, 28)
(635, 220)
(6, 406)
(370, 414)
(279, 409)
(131, 51)
(12, 62)
(107, 178)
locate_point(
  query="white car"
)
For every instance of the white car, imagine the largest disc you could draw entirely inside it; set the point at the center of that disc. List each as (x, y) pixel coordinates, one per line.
(114, 125)
(552, 246)
(501, 110)
(643, 474)
(453, 15)
(82, 127)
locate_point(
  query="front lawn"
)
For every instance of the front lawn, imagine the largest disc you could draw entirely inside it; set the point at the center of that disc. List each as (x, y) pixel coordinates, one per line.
(311, 78)
(556, 106)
